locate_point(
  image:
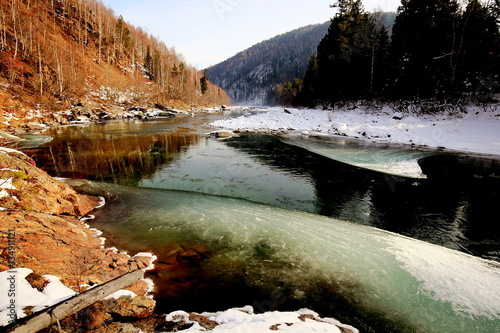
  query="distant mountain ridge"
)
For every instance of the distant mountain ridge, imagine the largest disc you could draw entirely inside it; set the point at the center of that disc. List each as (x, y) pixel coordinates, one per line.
(250, 75)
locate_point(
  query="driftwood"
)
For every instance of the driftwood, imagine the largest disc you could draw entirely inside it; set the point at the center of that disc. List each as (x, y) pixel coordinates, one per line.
(61, 310)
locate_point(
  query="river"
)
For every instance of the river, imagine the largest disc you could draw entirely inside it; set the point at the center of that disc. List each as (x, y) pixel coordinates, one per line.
(351, 229)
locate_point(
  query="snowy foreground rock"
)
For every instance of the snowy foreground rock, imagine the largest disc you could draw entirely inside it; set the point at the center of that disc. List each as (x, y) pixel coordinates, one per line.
(245, 320)
(476, 131)
(127, 305)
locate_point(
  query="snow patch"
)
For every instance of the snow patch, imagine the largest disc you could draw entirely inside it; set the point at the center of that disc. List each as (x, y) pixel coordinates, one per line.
(25, 295)
(10, 150)
(245, 320)
(476, 131)
(120, 293)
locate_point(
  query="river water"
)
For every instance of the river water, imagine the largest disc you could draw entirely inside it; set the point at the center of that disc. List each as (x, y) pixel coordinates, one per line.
(287, 222)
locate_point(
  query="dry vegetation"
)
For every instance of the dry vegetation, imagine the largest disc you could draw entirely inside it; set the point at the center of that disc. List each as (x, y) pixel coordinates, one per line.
(54, 53)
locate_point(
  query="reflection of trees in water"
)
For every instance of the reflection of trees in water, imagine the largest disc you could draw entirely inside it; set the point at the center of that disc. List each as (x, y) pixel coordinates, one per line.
(121, 159)
(454, 211)
(337, 184)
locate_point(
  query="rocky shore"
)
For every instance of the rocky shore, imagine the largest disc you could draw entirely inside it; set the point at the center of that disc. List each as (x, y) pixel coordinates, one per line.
(42, 229)
(19, 121)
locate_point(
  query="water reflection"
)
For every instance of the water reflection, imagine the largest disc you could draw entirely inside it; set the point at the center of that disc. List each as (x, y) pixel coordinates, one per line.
(455, 213)
(213, 167)
(119, 158)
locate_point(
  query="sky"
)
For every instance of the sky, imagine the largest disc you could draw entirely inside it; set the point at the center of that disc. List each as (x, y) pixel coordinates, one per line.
(207, 32)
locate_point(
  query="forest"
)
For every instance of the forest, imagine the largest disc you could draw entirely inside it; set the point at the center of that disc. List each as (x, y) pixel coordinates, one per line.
(55, 53)
(438, 50)
(251, 74)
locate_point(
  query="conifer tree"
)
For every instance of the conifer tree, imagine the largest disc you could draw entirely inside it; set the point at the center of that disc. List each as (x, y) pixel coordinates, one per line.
(204, 82)
(379, 67)
(148, 63)
(349, 59)
(340, 53)
(421, 48)
(308, 95)
(476, 53)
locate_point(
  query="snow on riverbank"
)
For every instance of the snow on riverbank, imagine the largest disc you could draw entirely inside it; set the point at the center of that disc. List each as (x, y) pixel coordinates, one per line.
(478, 131)
(244, 320)
(18, 294)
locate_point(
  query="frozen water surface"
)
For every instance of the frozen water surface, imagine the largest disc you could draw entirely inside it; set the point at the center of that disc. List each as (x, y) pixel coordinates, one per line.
(398, 161)
(417, 287)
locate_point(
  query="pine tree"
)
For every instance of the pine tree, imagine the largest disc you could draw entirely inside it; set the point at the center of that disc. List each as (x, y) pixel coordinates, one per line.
(308, 95)
(475, 62)
(379, 67)
(204, 82)
(422, 44)
(350, 59)
(341, 57)
(148, 64)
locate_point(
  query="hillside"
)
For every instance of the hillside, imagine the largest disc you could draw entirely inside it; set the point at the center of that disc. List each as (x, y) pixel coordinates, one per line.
(56, 53)
(251, 74)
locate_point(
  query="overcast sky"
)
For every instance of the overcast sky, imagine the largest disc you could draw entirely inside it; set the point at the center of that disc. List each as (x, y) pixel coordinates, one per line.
(207, 32)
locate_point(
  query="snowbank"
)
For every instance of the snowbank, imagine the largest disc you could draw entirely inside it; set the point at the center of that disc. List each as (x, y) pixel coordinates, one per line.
(18, 294)
(477, 131)
(244, 320)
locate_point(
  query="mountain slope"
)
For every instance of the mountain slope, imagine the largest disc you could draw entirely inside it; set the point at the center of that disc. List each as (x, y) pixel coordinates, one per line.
(250, 75)
(55, 53)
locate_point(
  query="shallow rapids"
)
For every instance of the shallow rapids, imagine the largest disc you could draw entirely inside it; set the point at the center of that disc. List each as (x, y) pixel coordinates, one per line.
(391, 282)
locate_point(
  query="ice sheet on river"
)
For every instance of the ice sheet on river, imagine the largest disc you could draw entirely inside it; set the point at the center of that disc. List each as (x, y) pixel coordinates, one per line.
(391, 160)
(417, 286)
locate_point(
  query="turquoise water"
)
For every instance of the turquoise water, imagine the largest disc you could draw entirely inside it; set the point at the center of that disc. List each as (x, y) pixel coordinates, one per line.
(409, 285)
(295, 224)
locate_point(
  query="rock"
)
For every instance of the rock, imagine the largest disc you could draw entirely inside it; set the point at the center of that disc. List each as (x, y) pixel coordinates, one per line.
(118, 328)
(60, 118)
(139, 262)
(139, 288)
(222, 134)
(85, 109)
(203, 321)
(39, 192)
(115, 110)
(6, 137)
(126, 306)
(37, 281)
(94, 316)
(189, 257)
(35, 126)
(287, 111)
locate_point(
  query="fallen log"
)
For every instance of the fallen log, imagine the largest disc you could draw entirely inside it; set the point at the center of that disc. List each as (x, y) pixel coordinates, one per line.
(61, 310)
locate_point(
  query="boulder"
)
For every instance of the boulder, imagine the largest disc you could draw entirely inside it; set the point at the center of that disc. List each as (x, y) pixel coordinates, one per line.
(134, 307)
(222, 134)
(117, 328)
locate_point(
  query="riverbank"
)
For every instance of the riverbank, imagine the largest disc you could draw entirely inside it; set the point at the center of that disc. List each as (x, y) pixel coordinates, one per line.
(477, 130)
(43, 230)
(21, 121)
